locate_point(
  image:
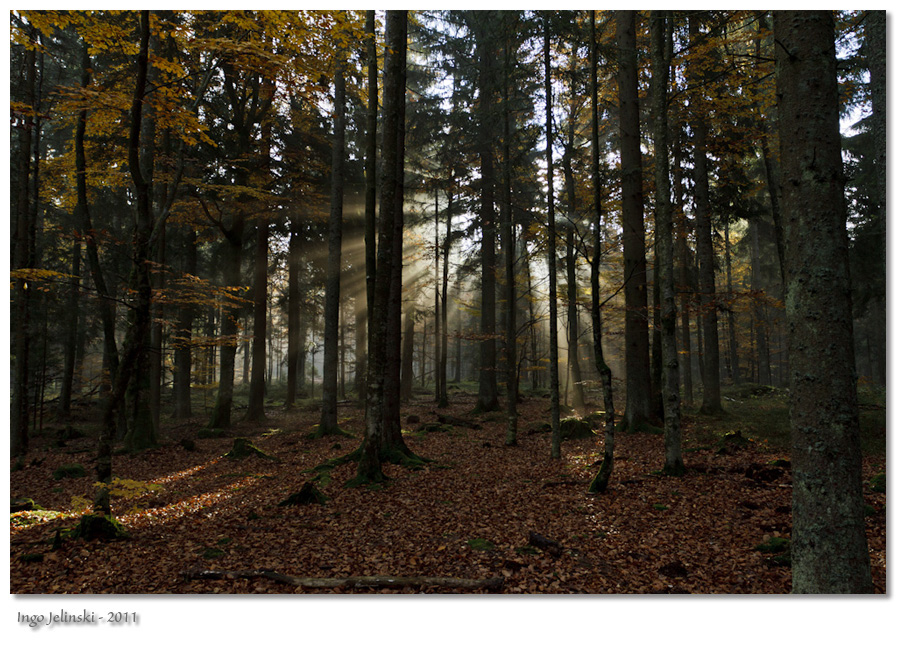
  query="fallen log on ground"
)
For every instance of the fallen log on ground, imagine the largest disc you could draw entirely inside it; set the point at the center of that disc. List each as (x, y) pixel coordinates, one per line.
(494, 584)
(458, 421)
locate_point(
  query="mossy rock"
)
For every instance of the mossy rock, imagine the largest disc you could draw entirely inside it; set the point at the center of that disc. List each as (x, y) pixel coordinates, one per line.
(244, 448)
(188, 444)
(878, 483)
(309, 494)
(574, 428)
(731, 443)
(212, 433)
(96, 526)
(69, 471)
(596, 419)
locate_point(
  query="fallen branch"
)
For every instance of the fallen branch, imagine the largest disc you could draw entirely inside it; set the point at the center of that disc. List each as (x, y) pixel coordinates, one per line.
(494, 584)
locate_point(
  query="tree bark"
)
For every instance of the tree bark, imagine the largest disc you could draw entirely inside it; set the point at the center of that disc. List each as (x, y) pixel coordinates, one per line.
(328, 422)
(601, 480)
(487, 375)
(551, 249)
(665, 256)
(637, 340)
(829, 553)
(712, 398)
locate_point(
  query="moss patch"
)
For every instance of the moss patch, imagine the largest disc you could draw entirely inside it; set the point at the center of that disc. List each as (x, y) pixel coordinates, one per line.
(96, 526)
(574, 428)
(69, 471)
(878, 483)
(481, 544)
(244, 448)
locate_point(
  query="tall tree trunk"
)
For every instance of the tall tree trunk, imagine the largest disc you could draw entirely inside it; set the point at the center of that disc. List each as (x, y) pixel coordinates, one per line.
(369, 466)
(370, 169)
(508, 245)
(712, 398)
(295, 348)
(407, 350)
(684, 276)
(256, 411)
(445, 283)
(601, 480)
(487, 375)
(555, 451)
(572, 327)
(665, 256)
(328, 422)
(23, 259)
(228, 328)
(760, 322)
(73, 324)
(637, 340)
(829, 553)
(181, 380)
(732, 332)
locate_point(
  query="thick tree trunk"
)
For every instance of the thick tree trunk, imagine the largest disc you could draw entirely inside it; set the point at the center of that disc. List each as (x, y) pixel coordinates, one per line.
(369, 466)
(572, 327)
(684, 278)
(370, 170)
(637, 340)
(829, 553)
(73, 323)
(734, 358)
(445, 283)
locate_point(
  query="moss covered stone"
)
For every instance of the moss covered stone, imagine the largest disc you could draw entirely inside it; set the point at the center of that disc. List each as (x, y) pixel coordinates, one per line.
(244, 448)
(731, 443)
(575, 428)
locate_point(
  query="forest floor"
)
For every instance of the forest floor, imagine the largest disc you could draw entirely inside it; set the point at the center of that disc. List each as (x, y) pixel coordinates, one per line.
(467, 514)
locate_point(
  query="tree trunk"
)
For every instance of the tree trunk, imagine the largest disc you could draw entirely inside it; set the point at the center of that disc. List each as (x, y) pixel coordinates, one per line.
(487, 375)
(508, 245)
(637, 340)
(295, 347)
(256, 410)
(369, 466)
(732, 331)
(572, 327)
(712, 398)
(760, 322)
(406, 355)
(829, 553)
(23, 259)
(181, 386)
(660, 29)
(551, 249)
(601, 480)
(684, 277)
(328, 422)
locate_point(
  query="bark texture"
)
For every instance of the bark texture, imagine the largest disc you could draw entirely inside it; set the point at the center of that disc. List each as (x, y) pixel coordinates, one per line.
(829, 553)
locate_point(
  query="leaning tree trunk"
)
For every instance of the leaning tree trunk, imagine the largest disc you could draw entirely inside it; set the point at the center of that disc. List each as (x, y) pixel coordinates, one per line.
(829, 553)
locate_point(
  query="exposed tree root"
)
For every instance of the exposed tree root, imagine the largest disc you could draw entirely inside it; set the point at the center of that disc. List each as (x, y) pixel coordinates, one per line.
(494, 584)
